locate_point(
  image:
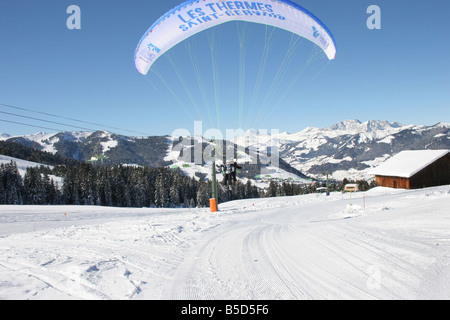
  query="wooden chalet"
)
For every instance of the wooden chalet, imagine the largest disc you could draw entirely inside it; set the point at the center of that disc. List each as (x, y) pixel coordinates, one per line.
(414, 169)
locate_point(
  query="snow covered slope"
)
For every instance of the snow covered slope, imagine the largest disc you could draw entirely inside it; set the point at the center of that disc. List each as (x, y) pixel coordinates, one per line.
(351, 149)
(21, 165)
(250, 162)
(386, 244)
(348, 149)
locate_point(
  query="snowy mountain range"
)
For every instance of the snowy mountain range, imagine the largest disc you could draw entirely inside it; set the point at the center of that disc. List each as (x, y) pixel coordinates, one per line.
(348, 149)
(352, 148)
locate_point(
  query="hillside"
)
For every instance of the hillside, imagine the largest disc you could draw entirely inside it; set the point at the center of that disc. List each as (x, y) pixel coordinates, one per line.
(24, 152)
(348, 149)
(82, 146)
(154, 152)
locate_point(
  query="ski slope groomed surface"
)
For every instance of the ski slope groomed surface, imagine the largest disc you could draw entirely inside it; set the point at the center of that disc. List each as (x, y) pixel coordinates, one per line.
(384, 244)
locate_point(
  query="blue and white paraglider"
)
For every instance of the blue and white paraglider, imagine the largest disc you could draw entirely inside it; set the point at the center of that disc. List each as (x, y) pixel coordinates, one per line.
(194, 16)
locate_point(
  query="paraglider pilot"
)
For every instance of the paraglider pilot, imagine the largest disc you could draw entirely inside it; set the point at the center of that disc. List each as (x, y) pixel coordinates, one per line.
(234, 167)
(229, 172)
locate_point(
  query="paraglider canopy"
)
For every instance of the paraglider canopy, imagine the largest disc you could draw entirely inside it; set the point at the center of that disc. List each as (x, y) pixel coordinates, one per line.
(194, 16)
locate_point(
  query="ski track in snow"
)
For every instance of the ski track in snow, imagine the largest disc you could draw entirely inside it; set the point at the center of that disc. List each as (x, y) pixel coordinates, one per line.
(304, 247)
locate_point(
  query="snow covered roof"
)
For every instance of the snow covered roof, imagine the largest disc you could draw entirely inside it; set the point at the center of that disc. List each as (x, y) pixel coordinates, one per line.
(407, 163)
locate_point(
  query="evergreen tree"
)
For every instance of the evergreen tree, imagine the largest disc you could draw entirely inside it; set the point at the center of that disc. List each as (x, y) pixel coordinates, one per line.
(67, 187)
(51, 192)
(15, 184)
(272, 189)
(165, 185)
(139, 189)
(34, 187)
(149, 188)
(190, 192)
(118, 187)
(174, 194)
(2, 186)
(203, 195)
(158, 192)
(162, 189)
(86, 184)
(104, 187)
(250, 191)
(11, 184)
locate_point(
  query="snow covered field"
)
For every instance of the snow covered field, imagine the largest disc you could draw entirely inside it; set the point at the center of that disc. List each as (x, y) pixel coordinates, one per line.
(388, 244)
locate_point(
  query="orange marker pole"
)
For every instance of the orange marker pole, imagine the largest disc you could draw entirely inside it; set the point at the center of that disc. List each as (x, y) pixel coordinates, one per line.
(213, 205)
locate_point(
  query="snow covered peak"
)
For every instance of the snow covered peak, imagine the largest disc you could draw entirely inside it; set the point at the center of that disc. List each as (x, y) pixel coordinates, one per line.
(443, 125)
(346, 125)
(356, 126)
(312, 137)
(375, 125)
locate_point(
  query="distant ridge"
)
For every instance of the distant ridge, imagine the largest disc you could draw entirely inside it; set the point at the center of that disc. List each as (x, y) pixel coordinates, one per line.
(347, 149)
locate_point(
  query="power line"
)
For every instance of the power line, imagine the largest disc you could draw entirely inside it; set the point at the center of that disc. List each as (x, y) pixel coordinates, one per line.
(37, 119)
(72, 119)
(30, 125)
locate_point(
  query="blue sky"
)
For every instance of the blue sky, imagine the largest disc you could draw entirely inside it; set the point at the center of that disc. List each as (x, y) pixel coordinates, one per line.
(399, 73)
